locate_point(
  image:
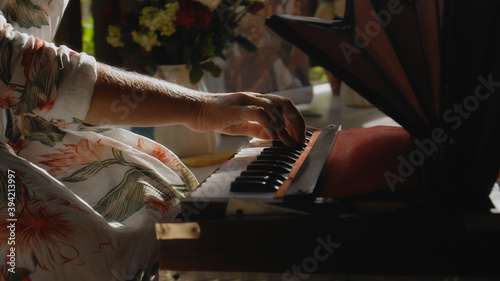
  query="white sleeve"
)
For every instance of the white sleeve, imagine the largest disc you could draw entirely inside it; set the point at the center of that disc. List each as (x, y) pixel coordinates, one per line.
(39, 78)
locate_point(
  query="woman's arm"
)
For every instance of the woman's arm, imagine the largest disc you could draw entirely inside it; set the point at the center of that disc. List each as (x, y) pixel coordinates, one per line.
(130, 99)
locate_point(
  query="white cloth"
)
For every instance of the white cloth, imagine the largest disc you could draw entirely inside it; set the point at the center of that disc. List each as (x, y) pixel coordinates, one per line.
(76, 202)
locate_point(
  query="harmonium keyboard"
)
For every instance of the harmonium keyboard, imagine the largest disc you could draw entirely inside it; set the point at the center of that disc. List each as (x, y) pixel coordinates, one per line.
(260, 216)
(264, 171)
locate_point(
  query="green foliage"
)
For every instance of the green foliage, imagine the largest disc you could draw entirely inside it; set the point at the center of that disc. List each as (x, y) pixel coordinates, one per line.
(87, 27)
(181, 31)
(317, 75)
(88, 36)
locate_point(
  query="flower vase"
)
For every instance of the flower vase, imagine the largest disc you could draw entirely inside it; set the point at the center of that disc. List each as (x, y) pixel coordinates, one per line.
(181, 140)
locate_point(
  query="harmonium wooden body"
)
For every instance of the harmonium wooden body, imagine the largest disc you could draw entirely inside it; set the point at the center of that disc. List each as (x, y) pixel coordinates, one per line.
(416, 202)
(239, 225)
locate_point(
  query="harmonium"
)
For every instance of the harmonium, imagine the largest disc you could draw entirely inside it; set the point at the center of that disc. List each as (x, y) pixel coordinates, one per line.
(416, 202)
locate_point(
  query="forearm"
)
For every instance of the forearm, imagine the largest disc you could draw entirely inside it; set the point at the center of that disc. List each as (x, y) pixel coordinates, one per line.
(130, 99)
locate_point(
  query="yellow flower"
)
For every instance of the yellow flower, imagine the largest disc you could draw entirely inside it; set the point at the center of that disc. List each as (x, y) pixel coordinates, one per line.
(167, 18)
(146, 40)
(150, 18)
(114, 37)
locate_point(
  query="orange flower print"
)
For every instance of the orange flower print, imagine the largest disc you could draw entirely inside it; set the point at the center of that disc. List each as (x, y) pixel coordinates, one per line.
(157, 204)
(45, 104)
(48, 234)
(19, 145)
(8, 98)
(60, 123)
(159, 152)
(73, 156)
(44, 7)
(35, 59)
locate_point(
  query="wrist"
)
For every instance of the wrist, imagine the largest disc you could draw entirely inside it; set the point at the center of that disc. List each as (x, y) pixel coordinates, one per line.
(197, 116)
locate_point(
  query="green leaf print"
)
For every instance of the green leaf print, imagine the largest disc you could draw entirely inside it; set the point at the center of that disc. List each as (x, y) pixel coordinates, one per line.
(38, 129)
(118, 155)
(25, 13)
(19, 191)
(38, 93)
(82, 126)
(126, 198)
(168, 190)
(5, 60)
(12, 131)
(189, 179)
(3, 190)
(89, 170)
(19, 275)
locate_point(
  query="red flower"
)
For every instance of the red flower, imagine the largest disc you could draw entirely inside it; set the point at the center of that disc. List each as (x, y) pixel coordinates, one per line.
(45, 104)
(73, 156)
(19, 145)
(35, 59)
(47, 234)
(156, 204)
(192, 13)
(8, 98)
(111, 15)
(159, 152)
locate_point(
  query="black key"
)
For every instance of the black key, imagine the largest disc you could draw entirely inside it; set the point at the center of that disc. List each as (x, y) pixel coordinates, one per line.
(262, 173)
(280, 144)
(267, 179)
(284, 153)
(268, 167)
(300, 147)
(293, 148)
(278, 151)
(286, 148)
(253, 186)
(274, 162)
(280, 157)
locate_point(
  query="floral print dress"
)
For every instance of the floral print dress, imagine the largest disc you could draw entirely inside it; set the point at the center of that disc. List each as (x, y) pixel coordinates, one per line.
(76, 202)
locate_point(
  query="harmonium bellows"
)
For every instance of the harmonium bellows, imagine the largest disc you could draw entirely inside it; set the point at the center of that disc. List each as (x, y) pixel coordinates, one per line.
(430, 66)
